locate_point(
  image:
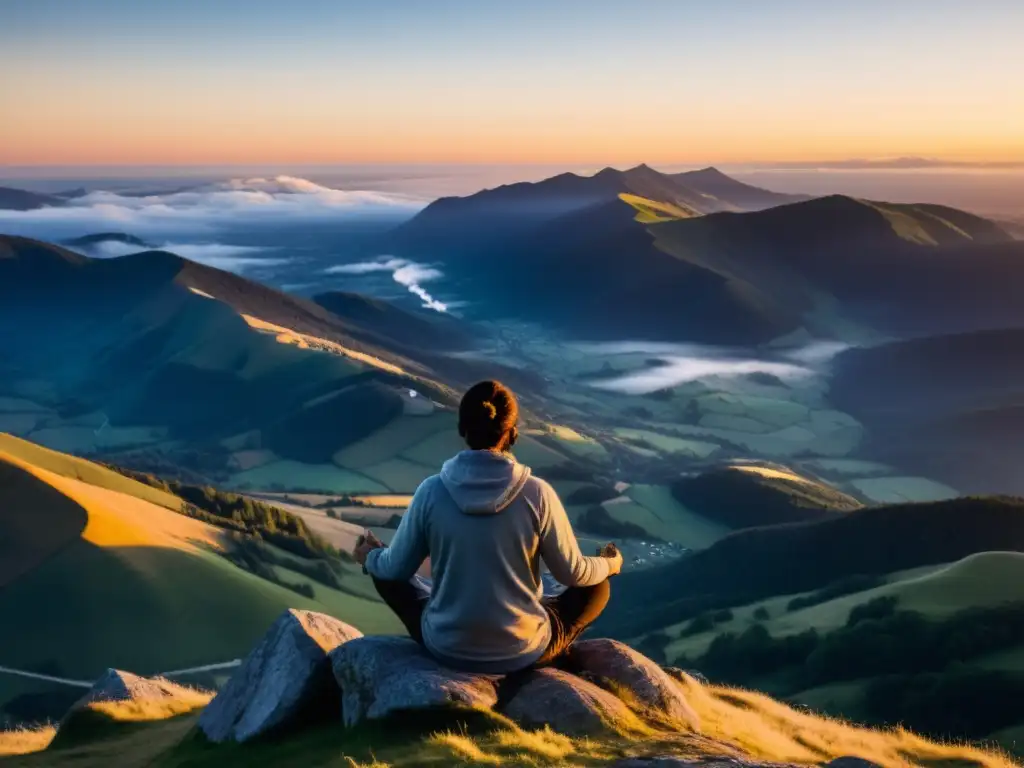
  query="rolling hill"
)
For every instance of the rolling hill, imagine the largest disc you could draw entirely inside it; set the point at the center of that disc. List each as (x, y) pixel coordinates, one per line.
(512, 208)
(702, 257)
(951, 406)
(414, 329)
(12, 199)
(97, 570)
(99, 238)
(750, 495)
(165, 364)
(756, 563)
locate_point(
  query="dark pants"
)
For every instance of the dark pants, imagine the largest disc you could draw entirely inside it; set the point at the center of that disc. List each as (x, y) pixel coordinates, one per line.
(570, 613)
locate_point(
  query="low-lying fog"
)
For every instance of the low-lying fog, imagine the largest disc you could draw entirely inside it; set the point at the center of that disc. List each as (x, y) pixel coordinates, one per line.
(676, 364)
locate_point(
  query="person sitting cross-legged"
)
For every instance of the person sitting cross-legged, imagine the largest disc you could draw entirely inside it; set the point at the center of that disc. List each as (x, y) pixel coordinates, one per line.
(487, 525)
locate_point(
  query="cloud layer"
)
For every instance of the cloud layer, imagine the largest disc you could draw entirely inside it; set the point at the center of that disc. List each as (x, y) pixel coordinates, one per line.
(407, 273)
(205, 210)
(234, 258)
(683, 363)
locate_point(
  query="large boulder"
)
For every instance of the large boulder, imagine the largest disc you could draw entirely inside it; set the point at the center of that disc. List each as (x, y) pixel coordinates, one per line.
(659, 696)
(380, 676)
(287, 677)
(569, 704)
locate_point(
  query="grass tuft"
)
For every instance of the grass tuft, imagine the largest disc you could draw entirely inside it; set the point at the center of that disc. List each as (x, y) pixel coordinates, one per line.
(23, 741)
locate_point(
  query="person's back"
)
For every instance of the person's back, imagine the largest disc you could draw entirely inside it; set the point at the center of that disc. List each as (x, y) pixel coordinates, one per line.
(487, 525)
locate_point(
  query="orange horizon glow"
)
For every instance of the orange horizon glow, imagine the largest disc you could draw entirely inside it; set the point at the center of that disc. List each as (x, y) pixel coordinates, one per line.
(302, 148)
(313, 82)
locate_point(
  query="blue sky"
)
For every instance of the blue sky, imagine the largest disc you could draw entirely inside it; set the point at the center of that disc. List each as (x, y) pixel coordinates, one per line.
(190, 81)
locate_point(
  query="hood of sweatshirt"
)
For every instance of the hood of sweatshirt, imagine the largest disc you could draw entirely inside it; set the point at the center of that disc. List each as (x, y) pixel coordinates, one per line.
(483, 482)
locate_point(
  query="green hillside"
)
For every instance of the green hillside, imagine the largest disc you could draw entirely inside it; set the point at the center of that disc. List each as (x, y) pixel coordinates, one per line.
(749, 495)
(94, 574)
(86, 471)
(798, 557)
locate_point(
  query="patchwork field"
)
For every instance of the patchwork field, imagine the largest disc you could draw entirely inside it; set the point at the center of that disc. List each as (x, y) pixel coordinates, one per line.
(287, 474)
(673, 521)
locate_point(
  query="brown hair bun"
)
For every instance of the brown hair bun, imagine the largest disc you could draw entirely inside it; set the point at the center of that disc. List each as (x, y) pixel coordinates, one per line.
(488, 415)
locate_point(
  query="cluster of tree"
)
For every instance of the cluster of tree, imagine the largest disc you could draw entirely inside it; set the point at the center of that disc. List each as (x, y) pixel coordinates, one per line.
(705, 622)
(877, 640)
(344, 500)
(848, 585)
(251, 554)
(243, 514)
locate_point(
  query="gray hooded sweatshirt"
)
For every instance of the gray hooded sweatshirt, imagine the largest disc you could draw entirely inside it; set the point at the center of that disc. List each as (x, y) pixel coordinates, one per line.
(486, 525)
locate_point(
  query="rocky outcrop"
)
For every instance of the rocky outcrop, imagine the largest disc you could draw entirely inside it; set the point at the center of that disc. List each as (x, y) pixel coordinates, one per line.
(118, 687)
(121, 697)
(285, 678)
(659, 696)
(569, 704)
(380, 676)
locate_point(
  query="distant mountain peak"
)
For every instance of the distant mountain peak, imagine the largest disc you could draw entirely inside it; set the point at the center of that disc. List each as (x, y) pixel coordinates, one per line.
(108, 237)
(711, 172)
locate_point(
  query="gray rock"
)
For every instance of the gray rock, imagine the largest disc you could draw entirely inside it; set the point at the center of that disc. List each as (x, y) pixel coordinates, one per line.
(118, 686)
(655, 690)
(379, 676)
(119, 697)
(569, 704)
(286, 676)
(851, 762)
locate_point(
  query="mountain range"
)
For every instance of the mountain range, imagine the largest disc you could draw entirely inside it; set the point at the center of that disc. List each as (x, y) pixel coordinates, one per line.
(235, 436)
(701, 257)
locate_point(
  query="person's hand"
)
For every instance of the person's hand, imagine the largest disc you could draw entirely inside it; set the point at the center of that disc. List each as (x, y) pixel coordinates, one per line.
(364, 545)
(611, 552)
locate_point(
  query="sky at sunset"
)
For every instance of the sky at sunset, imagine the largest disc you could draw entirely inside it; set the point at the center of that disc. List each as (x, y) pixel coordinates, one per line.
(411, 81)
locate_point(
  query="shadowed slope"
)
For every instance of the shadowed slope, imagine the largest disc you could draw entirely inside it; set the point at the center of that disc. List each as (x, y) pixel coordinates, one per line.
(36, 521)
(950, 406)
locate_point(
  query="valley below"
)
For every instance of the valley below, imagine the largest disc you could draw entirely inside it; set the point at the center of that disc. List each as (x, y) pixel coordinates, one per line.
(800, 457)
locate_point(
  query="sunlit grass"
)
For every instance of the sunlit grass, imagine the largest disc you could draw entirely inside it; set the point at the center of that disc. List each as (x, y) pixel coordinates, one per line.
(654, 211)
(22, 741)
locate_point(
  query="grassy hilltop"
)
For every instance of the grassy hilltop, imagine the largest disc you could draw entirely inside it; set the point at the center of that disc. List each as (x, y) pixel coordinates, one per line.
(734, 723)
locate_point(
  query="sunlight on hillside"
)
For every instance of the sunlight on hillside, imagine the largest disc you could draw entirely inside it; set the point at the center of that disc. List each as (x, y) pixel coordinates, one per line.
(654, 211)
(147, 710)
(734, 723)
(23, 741)
(119, 520)
(768, 729)
(305, 341)
(768, 472)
